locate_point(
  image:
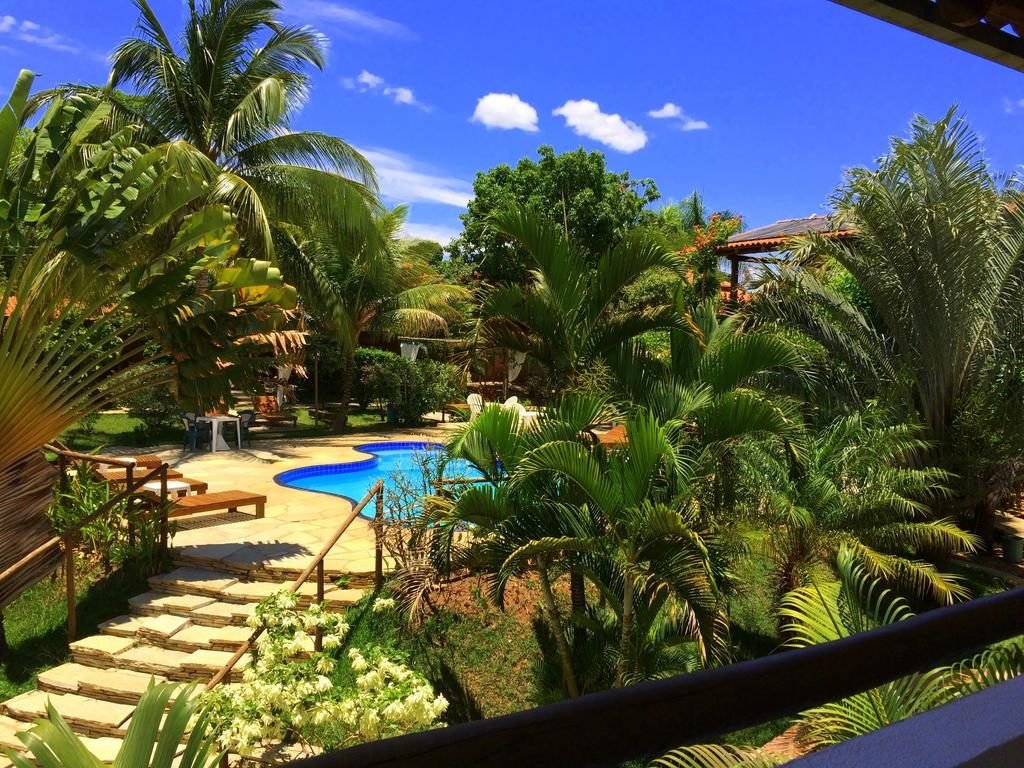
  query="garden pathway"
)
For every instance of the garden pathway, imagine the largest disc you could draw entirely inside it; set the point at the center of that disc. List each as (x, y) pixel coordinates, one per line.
(193, 619)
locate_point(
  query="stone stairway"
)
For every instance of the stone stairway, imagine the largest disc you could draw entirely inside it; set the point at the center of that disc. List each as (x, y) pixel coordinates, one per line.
(185, 629)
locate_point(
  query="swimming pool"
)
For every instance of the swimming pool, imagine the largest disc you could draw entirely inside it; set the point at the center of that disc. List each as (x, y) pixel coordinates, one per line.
(353, 479)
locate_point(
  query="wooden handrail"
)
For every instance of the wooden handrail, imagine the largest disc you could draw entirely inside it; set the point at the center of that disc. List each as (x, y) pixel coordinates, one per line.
(648, 719)
(127, 493)
(317, 564)
(70, 536)
(94, 458)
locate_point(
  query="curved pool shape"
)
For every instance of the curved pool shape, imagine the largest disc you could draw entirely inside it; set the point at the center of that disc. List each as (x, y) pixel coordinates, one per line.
(353, 479)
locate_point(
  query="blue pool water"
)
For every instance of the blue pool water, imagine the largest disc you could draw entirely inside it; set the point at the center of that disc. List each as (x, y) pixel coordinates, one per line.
(353, 479)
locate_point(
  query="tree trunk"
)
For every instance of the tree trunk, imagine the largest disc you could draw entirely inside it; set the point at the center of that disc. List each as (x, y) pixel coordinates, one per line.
(348, 372)
(626, 641)
(555, 622)
(578, 594)
(3, 638)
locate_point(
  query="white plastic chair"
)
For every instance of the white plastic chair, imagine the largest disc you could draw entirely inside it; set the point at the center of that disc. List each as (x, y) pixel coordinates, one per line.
(476, 405)
(512, 402)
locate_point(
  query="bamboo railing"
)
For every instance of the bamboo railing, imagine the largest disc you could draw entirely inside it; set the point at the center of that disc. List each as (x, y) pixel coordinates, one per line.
(317, 565)
(69, 539)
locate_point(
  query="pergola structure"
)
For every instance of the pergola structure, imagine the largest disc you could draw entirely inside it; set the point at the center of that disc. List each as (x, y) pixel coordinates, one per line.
(752, 245)
(991, 29)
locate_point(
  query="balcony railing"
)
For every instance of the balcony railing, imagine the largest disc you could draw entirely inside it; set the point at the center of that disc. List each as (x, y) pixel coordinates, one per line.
(645, 720)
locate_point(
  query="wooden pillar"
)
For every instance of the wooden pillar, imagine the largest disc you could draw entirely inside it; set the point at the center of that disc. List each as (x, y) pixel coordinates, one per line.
(316, 388)
(378, 526)
(734, 279)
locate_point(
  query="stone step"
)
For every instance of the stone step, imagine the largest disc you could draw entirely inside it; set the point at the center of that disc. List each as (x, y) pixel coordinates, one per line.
(100, 650)
(192, 581)
(197, 637)
(221, 614)
(152, 660)
(85, 715)
(9, 728)
(204, 664)
(118, 685)
(159, 603)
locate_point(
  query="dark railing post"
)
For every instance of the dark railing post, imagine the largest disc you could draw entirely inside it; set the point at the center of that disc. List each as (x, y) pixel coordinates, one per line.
(69, 583)
(163, 511)
(62, 468)
(378, 529)
(318, 642)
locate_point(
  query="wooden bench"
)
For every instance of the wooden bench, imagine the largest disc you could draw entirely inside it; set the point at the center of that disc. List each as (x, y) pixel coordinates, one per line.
(217, 501)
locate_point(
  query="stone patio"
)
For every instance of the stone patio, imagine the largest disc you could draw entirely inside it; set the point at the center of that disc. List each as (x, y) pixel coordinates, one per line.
(297, 522)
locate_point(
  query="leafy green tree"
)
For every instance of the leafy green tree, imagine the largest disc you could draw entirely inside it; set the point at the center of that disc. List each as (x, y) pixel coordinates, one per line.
(380, 284)
(594, 207)
(231, 88)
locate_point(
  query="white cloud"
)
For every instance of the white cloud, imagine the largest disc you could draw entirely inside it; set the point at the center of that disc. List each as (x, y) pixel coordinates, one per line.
(438, 233)
(674, 112)
(366, 81)
(346, 15)
(1012, 105)
(369, 79)
(506, 111)
(669, 110)
(33, 33)
(586, 119)
(406, 181)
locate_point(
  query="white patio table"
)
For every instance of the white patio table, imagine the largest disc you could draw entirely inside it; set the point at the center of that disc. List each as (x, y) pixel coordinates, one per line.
(217, 441)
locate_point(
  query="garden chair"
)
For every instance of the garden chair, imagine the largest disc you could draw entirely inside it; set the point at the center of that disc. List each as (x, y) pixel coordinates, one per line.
(196, 433)
(476, 405)
(245, 420)
(512, 402)
(269, 411)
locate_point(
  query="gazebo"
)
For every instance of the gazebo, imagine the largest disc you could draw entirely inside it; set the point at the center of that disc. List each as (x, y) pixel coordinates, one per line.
(754, 244)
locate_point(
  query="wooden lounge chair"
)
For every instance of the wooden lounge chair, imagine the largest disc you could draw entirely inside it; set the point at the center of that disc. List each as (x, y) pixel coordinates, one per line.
(179, 486)
(117, 475)
(269, 412)
(218, 501)
(613, 437)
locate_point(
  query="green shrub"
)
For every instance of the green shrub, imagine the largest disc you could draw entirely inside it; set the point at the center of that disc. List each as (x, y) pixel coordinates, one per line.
(402, 389)
(156, 408)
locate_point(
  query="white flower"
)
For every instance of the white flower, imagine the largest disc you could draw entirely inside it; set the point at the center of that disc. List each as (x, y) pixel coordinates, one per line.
(382, 604)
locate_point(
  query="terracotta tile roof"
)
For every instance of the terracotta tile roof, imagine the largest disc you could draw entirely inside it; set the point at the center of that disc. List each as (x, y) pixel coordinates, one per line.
(774, 236)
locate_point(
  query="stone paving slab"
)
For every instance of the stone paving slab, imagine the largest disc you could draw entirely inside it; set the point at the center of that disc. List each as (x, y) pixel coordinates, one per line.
(160, 628)
(123, 626)
(84, 715)
(150, 659)
(192, 581)
(99, 650)
(222, 614)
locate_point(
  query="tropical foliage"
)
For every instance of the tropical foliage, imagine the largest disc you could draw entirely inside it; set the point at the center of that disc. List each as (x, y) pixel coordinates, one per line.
(166, 729)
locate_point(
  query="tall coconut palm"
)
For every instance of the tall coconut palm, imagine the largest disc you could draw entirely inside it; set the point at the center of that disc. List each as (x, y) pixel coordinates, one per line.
(382, 283)
(856, 486)
(230, 88)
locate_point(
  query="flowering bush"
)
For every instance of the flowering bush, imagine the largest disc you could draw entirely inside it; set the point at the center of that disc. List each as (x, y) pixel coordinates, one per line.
(287, 694)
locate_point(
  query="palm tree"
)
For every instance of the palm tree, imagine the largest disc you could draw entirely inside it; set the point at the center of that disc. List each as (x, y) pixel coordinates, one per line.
(381, 284)
(566, 318)
(855, 486)
(825, 612)
(625, 520)
(939, 257)
(230, 89)
(101, 244)
(631, 516)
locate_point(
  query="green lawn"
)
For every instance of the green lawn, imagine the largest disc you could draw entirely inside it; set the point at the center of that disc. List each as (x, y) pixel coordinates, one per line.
(122, 430)
(36, 623)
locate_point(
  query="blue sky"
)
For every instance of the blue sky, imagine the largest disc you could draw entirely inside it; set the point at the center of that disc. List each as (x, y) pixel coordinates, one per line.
(759, 104)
